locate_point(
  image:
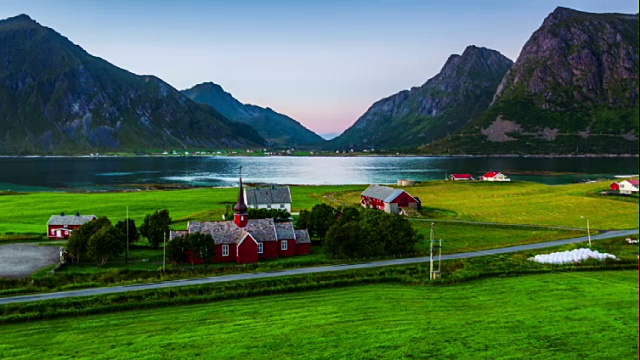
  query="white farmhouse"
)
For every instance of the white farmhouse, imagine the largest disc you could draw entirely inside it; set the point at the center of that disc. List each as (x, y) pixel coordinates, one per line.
(269, 197)
(494, 176)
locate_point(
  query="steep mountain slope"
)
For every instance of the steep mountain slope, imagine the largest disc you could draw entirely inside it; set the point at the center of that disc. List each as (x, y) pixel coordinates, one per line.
(447, 102)
(57, 98)
(277, 128)
(573, 89)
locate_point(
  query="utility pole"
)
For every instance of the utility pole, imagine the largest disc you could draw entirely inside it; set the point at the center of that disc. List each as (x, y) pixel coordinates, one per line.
(164, 249)
(588, 230)
(439, 256)
(431, 253)
(127, 255)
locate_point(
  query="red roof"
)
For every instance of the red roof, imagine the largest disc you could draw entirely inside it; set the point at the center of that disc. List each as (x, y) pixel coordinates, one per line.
(491, 174)
(634, 182)
(461, 176)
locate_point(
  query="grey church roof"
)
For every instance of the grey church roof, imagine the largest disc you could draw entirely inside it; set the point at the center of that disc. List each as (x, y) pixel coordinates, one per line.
(284, 230)
(302, 237)
(267, 195)
(227, 232)
(67, 220)
(380, 192)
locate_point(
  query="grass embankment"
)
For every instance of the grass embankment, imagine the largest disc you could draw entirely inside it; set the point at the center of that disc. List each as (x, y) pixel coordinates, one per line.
(586, 315)
(522, 203)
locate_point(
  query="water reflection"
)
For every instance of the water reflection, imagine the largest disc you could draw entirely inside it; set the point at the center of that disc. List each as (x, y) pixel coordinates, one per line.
(117, 173)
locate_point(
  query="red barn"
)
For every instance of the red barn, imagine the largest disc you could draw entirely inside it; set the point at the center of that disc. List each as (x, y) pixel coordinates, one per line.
(61, 226)
(388, 199)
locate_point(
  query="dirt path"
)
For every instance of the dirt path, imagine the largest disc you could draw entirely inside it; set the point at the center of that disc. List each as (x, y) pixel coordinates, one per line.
(20, 260)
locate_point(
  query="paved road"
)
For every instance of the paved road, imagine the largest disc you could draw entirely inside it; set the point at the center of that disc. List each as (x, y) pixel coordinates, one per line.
(310, 270)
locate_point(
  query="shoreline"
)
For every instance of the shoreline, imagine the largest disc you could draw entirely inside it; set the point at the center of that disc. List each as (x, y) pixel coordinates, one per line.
(324, 155)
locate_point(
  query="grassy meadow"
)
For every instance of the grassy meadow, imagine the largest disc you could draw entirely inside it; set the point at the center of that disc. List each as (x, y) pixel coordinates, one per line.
(523, 203)
(585, 315)
(29, 212)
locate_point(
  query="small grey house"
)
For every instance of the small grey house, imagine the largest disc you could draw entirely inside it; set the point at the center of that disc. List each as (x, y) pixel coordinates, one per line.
(268, 197)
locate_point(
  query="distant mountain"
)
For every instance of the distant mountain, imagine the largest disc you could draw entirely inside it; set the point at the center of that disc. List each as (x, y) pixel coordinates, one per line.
(56, 98)
(573, 89)
(444, 104)
(277, 128)
(329, 136)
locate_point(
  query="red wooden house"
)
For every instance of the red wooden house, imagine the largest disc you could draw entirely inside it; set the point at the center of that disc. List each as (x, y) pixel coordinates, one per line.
(388, 199)
(61, 226)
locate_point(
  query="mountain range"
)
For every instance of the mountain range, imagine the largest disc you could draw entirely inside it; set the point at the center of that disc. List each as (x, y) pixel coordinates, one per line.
(444, 104)
(55, 98)
(573, 89)
(276, 128)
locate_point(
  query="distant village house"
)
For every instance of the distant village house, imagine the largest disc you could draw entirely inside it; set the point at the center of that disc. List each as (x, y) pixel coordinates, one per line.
(388, 199)
(625, 187)
(268, 197)
(460, 177)
(61, 226)
(494, 176)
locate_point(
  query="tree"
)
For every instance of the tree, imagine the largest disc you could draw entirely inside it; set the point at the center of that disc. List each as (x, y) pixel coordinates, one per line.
(176, 250)
(344, 241)
(320, 219)
(134, 235)
(104, 244)
(278, 215)
(79, 239)
(370, 233)
(202, 246)
(156, 226)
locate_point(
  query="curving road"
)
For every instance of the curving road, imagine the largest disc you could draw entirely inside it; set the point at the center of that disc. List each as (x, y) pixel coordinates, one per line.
(309, 270)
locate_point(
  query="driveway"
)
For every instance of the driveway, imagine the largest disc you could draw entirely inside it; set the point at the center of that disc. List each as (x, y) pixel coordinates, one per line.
(20, 260)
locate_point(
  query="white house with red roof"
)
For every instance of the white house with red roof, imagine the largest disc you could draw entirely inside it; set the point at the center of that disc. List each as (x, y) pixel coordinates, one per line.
(625, 186)
(460, 177)
(494, 176)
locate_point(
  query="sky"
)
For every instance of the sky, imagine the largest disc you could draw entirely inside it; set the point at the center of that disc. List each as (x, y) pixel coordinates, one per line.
(323, 63)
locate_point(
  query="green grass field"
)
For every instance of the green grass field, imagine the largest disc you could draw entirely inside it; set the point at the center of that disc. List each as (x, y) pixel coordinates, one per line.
(29, 213)
(523, 203)
(586, 315)
(461, 237)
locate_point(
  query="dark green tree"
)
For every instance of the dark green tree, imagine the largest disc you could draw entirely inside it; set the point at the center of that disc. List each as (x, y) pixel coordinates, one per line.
(134, 235)
(104, 244)
(278, 215)
(320, 219)
(77, 243)
(202, 246)
(176, 250)
(155, 227)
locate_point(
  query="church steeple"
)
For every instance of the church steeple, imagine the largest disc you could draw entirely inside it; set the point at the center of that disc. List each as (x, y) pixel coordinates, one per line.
(240, 217)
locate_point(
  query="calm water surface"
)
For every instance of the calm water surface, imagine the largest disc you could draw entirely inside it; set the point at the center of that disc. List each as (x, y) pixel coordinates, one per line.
(109, 173)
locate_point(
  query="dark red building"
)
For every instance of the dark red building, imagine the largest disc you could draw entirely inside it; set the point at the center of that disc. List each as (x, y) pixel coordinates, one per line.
(245, 240)
(388, 199)
(61, 226)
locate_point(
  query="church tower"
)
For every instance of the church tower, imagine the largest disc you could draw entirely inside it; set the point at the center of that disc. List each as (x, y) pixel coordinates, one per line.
(241, 218)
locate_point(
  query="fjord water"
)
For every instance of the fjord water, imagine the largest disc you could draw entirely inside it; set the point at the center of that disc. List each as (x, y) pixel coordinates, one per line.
(113, 173)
